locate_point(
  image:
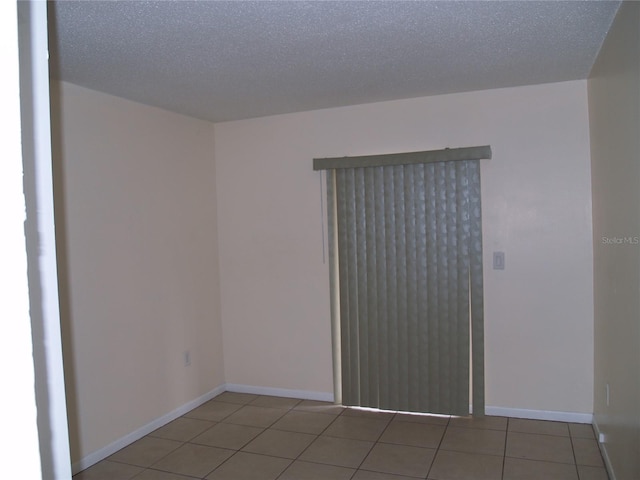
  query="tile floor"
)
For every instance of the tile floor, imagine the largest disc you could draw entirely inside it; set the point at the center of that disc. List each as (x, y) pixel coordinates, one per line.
(249, 437)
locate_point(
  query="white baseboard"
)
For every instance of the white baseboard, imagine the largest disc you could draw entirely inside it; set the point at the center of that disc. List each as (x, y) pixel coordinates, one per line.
(604, 452)
(571, 417)
(122, 442)
(280, 392)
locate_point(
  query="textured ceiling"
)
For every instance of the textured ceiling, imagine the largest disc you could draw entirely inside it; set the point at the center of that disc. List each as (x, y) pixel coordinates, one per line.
(231, 60)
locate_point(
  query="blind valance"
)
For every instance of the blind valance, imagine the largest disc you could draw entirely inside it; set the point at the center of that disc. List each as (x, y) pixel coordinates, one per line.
(408, 158)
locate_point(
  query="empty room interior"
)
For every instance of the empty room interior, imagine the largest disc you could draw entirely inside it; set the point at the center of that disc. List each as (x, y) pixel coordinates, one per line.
(194, 237)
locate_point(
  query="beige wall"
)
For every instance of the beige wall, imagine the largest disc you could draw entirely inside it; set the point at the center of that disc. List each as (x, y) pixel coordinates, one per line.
(141, 253)
(139, 262)
(614, 108)
(536, 207)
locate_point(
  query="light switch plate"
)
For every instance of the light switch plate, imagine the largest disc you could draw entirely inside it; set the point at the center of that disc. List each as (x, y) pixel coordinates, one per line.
(498, 260)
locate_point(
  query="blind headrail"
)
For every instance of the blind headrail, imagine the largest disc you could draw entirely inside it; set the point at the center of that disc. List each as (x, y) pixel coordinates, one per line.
(408, 158)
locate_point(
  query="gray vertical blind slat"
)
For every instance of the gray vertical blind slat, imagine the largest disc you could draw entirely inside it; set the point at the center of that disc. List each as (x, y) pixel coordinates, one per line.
(432, 294)
(413, 378)
(462, 201)
(392, 275)
(345, 288)
(444, 362)
(381, 280)
(332, 232)
(392, 289)
(371, 267)
(421, 292)
(401, 291)
(409, 273)
(451, 288)
(462, 254)
(477, 291)
(361, 246)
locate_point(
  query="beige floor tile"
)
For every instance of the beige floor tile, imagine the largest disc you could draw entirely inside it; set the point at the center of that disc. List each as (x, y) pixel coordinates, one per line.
(213, 411)
(548, 448)
(474, 440)
(399, 460)
(145, 452)
(314, 471)
(421, 418)
(592, 473)
(465, 466)
(486, 422)
(581, 430)
(255, 416)
(587, 452)
(521, 469)
(237, 398)
(182, 429)
(248, 466)
(303, 422)
(280, 444)
(368, 475)
(106, 470)
(319, 407)
(415, 434)
(228, 435)
(357, 428)
(150, 474)
(275, 402)
(540, 427)
(343, 452)
(193, 460)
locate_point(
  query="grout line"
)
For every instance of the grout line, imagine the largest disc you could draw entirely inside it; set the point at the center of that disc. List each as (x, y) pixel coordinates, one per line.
(307, 447)
(504, 453)
(446, 427)
(151, 469)
(375, 442)
(573, 452)
(182, 443)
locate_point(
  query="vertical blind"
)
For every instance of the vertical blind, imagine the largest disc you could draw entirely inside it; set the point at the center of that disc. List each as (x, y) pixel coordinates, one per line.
(407, 279)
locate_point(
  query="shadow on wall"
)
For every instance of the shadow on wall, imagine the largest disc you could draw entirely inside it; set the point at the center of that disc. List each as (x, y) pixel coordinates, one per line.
(63, 271)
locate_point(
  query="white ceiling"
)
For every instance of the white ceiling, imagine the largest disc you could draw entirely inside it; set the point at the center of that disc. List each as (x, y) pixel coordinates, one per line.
(232, 60)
